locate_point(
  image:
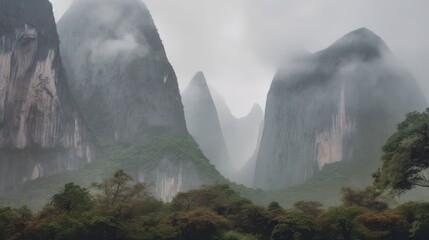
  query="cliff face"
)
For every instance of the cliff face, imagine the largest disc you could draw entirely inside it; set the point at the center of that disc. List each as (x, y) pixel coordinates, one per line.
(203, 123)
(241, 134)
(119, 70)
(41, 132)
(339, 104)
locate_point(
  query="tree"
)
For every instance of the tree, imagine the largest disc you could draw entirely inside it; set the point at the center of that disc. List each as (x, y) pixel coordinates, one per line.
(381, 226)
(219, 198)
(154, 226)
(311, 208)
(339, 221)
(117, 191)
(274, 206)
(72, 198)
(294, 225)
(417, 215)
(420, 227)
(13, 222)
(255, 220)
(369, 198)
(406, 155)
(233, 235)
(199, 224)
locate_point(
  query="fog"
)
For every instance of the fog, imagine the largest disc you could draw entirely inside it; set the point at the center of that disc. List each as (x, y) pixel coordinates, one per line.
(238, 43)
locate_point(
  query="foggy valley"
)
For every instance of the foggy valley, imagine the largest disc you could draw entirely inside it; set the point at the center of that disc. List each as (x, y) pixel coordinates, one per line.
(199, 119)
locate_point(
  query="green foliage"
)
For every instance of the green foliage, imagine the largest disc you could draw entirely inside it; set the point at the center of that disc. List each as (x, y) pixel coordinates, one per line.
(154, 226)
(61, 226)
(13, 221)
(406, 155)
(141, 155)
(255, 220)
(339, 222)
(117, 191)
(420, 227)
(122, 210)
(412, 210)
(381, 226)
(73, 198)
(310, 208)
(368, 198)
(417, 215)
(199, 224)
(233, 235)
(218, 198)
(294, 225)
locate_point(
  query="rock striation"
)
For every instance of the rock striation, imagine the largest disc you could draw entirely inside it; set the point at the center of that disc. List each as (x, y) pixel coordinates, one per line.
(41, 132)
(339, 104)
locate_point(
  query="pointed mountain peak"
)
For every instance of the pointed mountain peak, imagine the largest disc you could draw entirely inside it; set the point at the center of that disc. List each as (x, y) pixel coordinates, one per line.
(362, 35)
(360, 42)
(363, 31)
(199, 80)
(198, 88)
(256, 110)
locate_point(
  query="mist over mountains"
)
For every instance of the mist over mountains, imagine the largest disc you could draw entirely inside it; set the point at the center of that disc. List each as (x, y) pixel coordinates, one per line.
(227, 141)
(101, 95)
(339, 104)
(116, 95)
(241, 134)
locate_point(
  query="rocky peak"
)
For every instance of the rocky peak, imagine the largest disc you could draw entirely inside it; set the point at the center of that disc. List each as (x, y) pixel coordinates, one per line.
(256, 111)
(198, 85)
(199, 80)
(361, 43)
(203, 123)
(119, 71)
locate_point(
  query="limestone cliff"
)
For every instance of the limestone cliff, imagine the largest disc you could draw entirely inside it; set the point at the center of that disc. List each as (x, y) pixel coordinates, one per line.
(339, 104)
(119, 70)
(41, 132)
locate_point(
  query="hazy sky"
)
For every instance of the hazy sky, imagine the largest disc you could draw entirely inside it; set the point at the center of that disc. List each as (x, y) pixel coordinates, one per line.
(238, 43)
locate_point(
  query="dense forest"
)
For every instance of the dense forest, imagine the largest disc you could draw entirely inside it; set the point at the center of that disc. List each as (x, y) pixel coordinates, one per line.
(121, 208)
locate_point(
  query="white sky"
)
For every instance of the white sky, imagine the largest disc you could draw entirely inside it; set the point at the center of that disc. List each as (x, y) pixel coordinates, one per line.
(238, 43)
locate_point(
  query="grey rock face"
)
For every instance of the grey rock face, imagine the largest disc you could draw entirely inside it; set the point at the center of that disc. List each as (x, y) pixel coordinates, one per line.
(203, 123)
(119, 70)
(241, 134)
(247, 173)
(41, 132)
(339, 104)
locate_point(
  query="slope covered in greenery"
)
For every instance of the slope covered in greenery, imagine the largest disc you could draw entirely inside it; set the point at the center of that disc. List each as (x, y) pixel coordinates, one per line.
(145, 155)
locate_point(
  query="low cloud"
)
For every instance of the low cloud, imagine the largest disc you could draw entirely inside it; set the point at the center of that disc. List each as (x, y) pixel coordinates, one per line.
(124, 46)
(239, 43)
